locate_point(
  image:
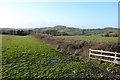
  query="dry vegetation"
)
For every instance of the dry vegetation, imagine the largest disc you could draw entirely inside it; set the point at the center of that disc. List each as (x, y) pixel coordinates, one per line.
(79, 47)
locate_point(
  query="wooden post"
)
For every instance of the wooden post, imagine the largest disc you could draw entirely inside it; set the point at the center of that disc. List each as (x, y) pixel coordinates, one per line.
(89, 52)
(115, 58)
(101, 54)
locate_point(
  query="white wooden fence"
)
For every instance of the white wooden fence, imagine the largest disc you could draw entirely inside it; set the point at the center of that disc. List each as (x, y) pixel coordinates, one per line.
(107, 56)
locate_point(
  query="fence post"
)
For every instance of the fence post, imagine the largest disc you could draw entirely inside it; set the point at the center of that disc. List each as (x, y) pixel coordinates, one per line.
(115, 58)
(89, 52)
(101, 54)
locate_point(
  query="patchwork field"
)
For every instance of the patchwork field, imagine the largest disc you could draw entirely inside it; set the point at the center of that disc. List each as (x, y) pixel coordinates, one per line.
(97, 38)
(25, 57)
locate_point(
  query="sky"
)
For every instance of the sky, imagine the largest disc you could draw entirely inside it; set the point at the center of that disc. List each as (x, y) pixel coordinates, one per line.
(84, 15)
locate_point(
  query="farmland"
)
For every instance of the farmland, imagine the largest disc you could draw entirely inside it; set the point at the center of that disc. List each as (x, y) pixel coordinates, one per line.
(25, 57)
(97, 38)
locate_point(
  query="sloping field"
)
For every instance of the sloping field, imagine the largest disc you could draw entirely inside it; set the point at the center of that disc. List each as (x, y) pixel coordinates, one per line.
(25, 57)
(96, 38)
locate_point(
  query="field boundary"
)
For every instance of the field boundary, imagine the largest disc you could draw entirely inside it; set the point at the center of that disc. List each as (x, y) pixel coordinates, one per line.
(107, 56)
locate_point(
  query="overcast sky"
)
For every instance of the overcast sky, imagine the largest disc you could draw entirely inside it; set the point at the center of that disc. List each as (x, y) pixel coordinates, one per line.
(49, 14)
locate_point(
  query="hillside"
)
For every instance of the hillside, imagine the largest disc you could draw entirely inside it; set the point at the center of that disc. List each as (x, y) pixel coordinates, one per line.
(60, 30)
(110, 31)
(77, 31)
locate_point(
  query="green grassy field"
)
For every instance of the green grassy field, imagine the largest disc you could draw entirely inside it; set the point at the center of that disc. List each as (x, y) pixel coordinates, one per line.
(25, 57)
(97, 38)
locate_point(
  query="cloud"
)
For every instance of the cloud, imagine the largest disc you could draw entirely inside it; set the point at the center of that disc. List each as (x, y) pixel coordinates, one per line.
(9, 17)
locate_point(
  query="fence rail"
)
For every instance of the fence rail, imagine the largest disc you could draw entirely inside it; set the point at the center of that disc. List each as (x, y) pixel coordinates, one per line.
(107, 56)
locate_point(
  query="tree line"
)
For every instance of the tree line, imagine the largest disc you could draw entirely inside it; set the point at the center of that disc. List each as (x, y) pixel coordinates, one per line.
(15, 32)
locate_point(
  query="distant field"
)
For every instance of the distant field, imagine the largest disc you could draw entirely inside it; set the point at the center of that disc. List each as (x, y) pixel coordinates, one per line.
(98, 38)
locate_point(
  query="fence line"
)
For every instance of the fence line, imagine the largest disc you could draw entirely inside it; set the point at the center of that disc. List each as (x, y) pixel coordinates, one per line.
(107, 56)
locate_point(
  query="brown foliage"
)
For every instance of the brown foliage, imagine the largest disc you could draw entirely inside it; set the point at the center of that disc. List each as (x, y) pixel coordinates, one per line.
(79, 47)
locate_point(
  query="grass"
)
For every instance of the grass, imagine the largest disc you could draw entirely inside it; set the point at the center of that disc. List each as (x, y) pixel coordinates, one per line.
(97, 38)
(25, 57)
